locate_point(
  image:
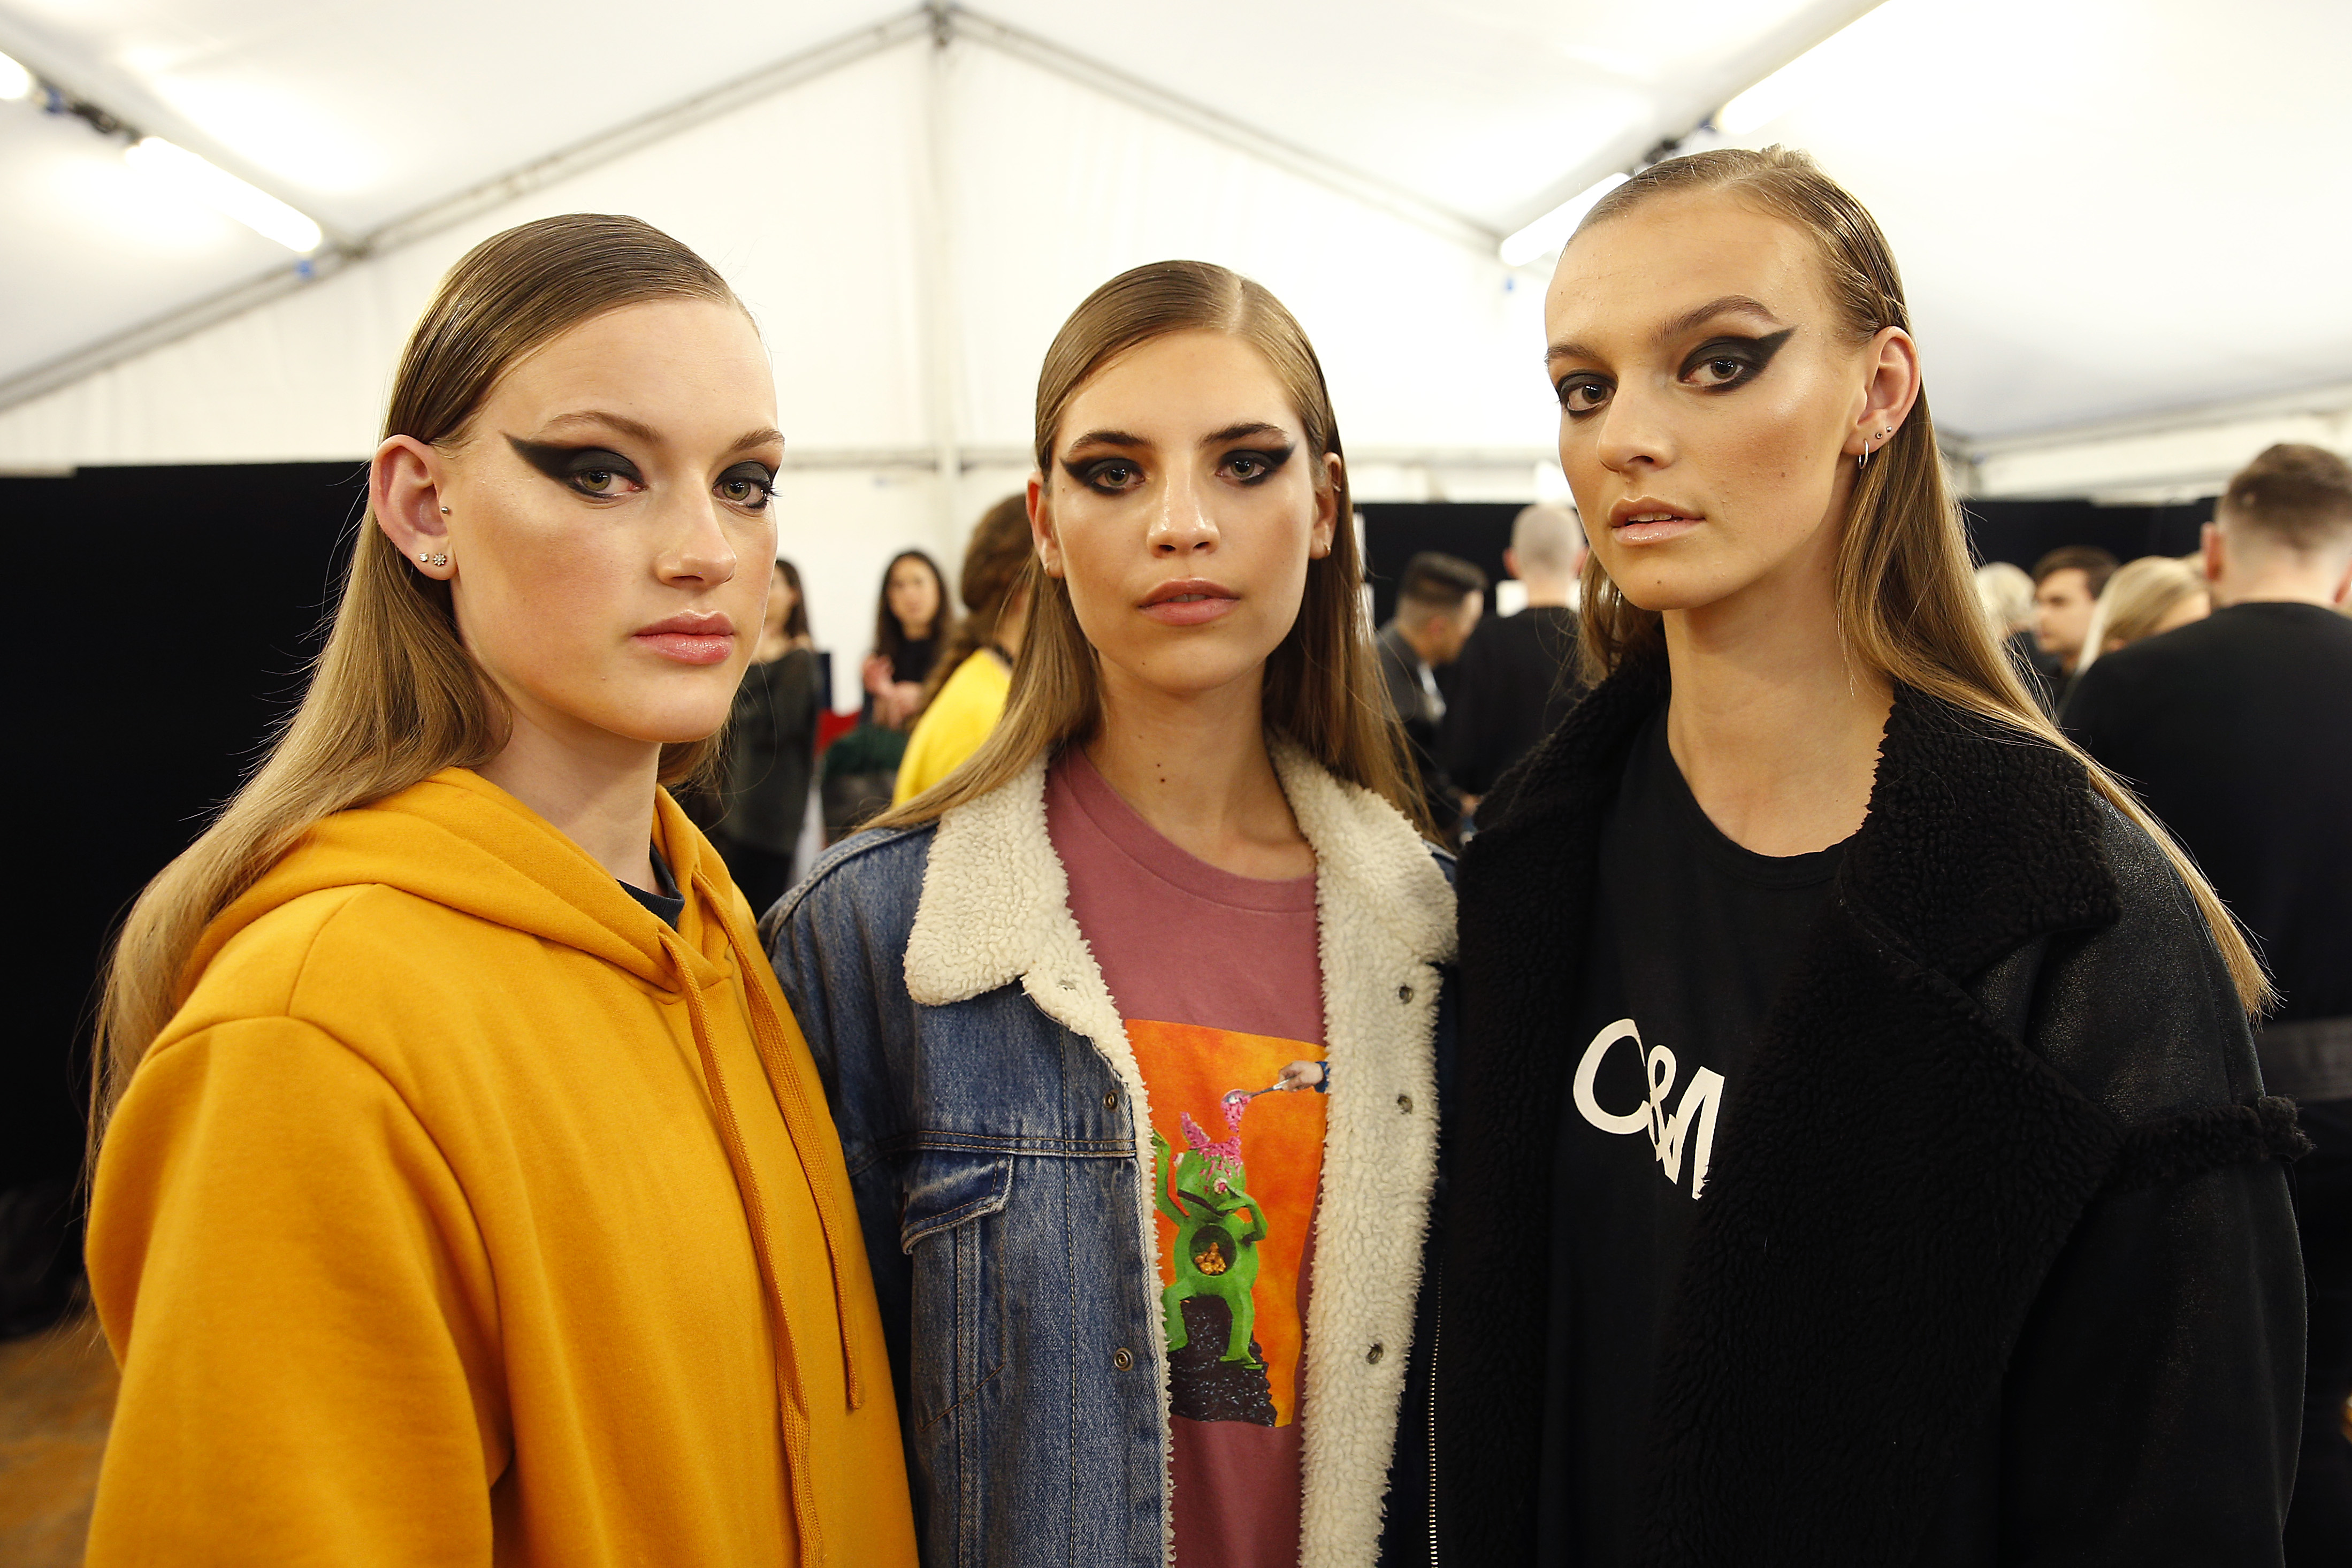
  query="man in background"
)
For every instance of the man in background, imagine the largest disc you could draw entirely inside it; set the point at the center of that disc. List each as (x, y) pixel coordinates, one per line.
(2067, 584)
(1439, 601)
(1517, 677)
(2237, 732)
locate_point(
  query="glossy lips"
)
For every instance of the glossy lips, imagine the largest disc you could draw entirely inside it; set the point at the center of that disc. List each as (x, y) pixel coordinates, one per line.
(1188, 601)
(691, 639)
(1645, 520)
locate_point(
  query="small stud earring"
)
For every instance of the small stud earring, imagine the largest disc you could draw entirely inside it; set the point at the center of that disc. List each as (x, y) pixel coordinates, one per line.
(432, 559)
(445, 511)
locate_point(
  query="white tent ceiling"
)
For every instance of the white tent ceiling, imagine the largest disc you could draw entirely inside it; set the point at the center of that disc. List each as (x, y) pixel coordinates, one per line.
(2108, 209)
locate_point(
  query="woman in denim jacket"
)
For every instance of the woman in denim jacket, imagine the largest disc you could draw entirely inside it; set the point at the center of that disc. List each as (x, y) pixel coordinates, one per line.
(1132, 1026)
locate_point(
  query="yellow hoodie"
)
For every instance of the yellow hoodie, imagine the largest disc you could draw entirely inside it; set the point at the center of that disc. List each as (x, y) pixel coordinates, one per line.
(465, 1213)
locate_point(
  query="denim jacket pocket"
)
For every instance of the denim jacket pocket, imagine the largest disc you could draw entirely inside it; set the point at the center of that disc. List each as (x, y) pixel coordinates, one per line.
(951, 1225)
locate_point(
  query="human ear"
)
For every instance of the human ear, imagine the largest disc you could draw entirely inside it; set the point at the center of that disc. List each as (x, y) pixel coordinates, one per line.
(1327, 509)
(1891, 360)
(1041, 526)
(404, 496)
(2208, 550)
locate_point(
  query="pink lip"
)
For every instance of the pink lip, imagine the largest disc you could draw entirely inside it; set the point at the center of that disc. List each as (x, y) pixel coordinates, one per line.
(694, 638)
(1188, 601)
(1623, 529)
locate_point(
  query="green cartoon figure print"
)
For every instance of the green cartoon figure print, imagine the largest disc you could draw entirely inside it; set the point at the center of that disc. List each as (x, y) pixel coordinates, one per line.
(1203, 1193)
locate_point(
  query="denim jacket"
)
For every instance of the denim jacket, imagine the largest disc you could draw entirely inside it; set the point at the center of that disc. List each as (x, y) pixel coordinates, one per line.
(997, 1132)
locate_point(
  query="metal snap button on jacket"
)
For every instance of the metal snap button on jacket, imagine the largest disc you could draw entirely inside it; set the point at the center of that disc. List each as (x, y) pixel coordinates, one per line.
(1123, 1359)
(1404, 993)
(1404, 1103)
(1372, 1356)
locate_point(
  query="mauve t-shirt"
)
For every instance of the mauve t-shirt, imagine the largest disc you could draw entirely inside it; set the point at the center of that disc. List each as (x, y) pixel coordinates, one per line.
(1220, 980)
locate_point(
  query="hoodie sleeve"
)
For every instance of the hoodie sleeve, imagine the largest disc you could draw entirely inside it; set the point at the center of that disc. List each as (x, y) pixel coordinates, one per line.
(292, 1281)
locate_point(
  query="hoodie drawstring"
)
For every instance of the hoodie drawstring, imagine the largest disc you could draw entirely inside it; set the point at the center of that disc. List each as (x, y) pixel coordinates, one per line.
(789, 1398)
(810, 1128)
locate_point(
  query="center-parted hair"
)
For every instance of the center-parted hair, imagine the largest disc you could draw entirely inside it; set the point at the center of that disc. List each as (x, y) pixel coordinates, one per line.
(1322, 689)
(1906, 595)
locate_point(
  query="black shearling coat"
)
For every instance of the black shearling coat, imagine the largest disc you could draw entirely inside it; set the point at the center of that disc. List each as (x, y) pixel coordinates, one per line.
(1995, 1264)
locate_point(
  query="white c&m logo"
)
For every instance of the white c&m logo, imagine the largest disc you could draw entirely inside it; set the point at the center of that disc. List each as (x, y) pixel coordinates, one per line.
(1692, 1124)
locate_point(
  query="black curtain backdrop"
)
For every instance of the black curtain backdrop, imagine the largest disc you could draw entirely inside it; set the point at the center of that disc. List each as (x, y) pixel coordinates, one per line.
(187, 604)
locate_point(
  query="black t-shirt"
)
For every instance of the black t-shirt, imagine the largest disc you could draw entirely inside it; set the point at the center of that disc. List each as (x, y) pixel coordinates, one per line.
(669, 904)
(1690, 938)
(1513, 682)
(2236, 730)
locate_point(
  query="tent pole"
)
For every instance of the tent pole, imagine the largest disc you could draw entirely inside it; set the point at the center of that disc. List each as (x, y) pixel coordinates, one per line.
(945, 349)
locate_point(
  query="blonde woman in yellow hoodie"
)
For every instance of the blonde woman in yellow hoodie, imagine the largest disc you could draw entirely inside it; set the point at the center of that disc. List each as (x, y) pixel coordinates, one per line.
(465, 1191)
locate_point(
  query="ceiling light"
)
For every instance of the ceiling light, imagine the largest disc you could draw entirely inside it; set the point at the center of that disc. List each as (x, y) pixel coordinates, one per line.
(257, 210)
(1551, 232)
(16, 81)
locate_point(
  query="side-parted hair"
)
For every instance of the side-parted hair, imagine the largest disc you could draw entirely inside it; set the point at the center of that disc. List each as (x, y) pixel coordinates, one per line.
(394, 697)
(2300, 496)
(1434, 584)
(1322, 691)
(1906, 601)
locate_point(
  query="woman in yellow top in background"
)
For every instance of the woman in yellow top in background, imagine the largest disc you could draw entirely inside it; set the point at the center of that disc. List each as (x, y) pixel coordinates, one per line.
(466, 1193)
(968, 688)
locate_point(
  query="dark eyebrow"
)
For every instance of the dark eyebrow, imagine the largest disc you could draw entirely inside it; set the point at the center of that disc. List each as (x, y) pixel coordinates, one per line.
(646, 434)
(621, 422)
(751, 438)
(1246, 430)
(1109, 438)
(1729, 305)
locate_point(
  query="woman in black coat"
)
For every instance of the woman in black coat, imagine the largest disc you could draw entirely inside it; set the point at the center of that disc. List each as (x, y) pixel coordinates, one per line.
(1859, 1157)
(772, 747)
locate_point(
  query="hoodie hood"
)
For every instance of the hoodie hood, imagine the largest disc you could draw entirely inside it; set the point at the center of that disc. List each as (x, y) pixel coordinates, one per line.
(461, 842)
(458, 840)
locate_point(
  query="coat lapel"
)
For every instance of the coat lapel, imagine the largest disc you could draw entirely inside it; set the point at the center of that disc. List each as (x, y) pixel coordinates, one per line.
(1893, 1180)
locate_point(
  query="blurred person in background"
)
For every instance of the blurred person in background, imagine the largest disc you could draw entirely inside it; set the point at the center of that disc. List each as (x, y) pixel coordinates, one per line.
(2005, 591)
(2145, 598)
(2237, 731)
(1517, 677)
(965, 694)
(861, 769)
(2067, 584)
(772, 747)
(908, 632)
(1439, 601)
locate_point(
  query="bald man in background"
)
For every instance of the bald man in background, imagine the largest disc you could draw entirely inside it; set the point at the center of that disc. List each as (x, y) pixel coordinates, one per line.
(1518, 676)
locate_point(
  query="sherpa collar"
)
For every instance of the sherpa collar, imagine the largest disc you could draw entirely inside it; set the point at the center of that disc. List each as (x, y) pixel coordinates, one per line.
(995, 898)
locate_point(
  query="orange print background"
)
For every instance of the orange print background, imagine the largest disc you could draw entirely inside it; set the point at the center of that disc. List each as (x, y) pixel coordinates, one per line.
(1188, 1068)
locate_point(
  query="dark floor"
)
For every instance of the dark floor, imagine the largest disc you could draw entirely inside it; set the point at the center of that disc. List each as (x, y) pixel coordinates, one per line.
(57, 1393)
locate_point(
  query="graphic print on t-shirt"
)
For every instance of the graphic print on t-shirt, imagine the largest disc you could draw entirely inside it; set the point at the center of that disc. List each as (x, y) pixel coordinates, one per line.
(1237, 1129)
(1688, 1128)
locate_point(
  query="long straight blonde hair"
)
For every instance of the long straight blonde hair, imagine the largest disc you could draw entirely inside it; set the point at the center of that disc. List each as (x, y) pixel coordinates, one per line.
(1907, 600)
(395, 698)
(1322, 689)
